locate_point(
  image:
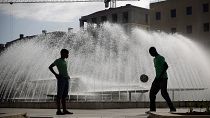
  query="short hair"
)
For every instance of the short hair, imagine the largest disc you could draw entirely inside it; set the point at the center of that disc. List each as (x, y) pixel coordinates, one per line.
(64, 51)
(152, 50)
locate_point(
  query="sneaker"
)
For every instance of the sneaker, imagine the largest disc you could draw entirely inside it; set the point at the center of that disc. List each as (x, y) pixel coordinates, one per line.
(148, 112)
(172, 110)
(67, 112)
(59, 113)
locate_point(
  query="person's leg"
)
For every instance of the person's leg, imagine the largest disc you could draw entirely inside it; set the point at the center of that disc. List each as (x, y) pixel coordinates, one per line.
(165, 95)
(152, 95)
(59, 96)
(65, 94)
(58, 100)
(63, 100)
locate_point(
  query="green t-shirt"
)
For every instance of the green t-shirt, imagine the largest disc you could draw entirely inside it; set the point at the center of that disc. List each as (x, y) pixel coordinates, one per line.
(159, 66)
(62, 67)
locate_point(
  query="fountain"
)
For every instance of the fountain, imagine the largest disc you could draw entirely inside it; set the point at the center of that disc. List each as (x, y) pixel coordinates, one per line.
(102, 61)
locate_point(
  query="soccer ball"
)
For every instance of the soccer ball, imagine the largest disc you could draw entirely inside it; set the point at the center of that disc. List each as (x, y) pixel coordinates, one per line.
(144, 78)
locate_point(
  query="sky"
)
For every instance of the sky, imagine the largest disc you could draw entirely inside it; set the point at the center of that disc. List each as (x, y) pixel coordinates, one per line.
(31, 19)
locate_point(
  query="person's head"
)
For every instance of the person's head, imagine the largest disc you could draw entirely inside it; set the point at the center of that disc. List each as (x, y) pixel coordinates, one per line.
(64, 53)
(153, 52)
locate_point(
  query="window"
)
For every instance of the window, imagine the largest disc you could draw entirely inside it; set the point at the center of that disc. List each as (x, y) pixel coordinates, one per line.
(206, 7)
(146, 18)
(125, 17)
(173, 13)
(103, 18)
(189, 10)
(206, 27)
(173, 30)
(158, 15)
(189, 29)
(114, 18)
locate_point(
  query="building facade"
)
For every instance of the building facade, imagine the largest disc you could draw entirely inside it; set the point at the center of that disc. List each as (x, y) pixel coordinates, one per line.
(190, 18)
(126, 15)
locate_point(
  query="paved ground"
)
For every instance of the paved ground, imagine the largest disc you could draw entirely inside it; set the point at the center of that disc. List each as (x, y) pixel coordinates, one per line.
(79, 113)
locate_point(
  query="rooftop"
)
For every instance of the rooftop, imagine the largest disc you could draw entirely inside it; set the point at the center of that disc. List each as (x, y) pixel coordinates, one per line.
(108, 10)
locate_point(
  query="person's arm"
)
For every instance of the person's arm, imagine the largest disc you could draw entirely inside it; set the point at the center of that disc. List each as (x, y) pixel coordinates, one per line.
(165, 67)
(52, 70)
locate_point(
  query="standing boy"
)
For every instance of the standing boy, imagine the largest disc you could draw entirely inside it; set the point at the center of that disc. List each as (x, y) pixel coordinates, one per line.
(62, 81)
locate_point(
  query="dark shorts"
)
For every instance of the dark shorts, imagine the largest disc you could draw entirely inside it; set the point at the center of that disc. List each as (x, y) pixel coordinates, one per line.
(62, 87)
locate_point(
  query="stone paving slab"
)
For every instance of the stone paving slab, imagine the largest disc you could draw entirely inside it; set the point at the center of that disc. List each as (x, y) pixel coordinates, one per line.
(163, 114)
(85, 113)
(13, 115)
(169, 115)
(96, 113)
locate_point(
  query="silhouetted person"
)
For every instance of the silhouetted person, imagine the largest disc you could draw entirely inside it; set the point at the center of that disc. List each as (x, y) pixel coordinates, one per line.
(62, 81)
(160, 82)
